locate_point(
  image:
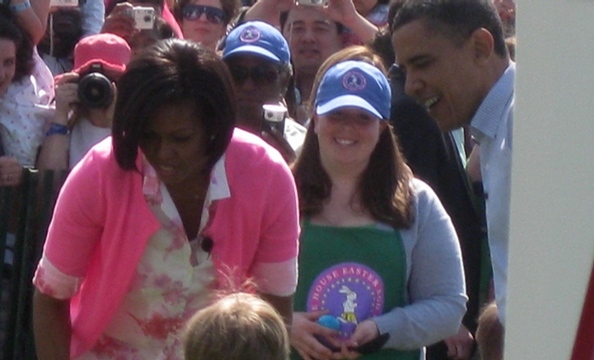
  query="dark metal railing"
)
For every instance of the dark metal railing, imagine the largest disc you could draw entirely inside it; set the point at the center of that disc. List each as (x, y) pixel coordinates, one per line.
(25, 212)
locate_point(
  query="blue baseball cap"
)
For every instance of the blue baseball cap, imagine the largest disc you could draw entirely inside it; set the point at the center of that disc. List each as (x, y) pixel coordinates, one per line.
(354, 83)
(257, 37)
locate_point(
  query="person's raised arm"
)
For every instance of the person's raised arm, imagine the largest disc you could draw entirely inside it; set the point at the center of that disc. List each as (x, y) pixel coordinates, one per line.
(345, 13)
(31, 16)
(268, 10)
(119, 21)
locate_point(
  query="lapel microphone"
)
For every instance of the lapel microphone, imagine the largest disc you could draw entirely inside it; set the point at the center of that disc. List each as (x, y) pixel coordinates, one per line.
(207, 244)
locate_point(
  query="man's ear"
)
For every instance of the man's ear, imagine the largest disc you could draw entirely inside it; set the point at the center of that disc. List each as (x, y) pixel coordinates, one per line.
(483, 44)
(314, 122)
(285, 80)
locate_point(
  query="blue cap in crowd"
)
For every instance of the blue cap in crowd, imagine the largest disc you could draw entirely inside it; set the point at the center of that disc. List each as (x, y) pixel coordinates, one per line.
(354, 83)
(257, 37)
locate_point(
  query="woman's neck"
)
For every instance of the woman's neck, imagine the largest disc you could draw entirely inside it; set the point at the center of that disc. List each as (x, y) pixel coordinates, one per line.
(344, 207)
(189, 189)
(189, 201)
(344, 173)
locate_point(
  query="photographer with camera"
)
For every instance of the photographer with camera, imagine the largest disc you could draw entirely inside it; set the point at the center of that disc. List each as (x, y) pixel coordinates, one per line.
(314, 29)
(129, 18)
(85, 101)
(258, 58)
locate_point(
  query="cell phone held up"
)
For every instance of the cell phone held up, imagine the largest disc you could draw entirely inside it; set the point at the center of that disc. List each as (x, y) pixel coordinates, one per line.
(274, 117)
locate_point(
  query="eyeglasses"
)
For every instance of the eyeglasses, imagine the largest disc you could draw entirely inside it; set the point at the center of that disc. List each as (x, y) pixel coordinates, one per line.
(213, 15)
(261, 75)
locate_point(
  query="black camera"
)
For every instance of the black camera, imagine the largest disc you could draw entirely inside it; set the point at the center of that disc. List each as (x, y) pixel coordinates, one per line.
(94, 89)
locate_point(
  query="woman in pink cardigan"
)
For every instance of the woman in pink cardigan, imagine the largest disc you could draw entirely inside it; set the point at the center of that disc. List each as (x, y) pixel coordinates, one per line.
(152, 221)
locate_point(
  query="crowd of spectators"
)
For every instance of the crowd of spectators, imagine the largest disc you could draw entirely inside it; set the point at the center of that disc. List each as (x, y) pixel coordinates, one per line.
(393, 117)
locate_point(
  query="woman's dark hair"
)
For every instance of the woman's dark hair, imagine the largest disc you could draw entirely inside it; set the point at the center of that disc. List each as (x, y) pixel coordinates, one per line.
(382, 45)
(24, 46)
(382, 41)
(172, 72)
(384, 186)
(456, 19)
(229, 7)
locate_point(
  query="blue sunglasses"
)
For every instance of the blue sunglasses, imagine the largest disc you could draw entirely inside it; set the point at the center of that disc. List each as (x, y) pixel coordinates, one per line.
(193, 12)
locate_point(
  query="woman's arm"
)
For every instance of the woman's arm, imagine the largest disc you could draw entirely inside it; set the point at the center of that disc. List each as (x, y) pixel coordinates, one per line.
(54, 149)
(51, 327)
(437, 294)
(282, 304)
(32, 16)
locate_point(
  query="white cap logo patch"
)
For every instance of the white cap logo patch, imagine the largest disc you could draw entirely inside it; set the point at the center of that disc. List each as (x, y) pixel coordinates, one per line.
(354, 81)
(250, 34)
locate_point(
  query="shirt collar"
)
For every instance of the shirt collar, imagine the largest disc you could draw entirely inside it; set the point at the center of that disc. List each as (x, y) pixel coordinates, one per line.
(219, 186)
(486, 120)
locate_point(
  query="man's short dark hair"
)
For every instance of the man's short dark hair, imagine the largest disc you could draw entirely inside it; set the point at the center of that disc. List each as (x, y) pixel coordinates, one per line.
(284, 16)
(456, 19)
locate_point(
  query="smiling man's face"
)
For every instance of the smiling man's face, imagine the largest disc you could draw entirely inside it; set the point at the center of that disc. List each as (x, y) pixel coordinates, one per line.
(441, 74)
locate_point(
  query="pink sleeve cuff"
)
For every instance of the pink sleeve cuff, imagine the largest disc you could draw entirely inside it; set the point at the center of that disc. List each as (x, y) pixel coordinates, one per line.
(52, 282)
(278, 279)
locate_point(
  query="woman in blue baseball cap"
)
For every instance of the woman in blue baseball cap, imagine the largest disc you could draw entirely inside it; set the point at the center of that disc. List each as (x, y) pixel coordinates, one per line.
(380, 271)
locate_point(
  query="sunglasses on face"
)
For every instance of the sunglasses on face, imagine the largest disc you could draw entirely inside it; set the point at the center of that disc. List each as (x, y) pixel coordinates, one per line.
(260, 75)
(213, 15)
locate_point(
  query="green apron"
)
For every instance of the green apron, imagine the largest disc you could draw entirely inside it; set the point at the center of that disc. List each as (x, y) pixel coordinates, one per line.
(355, 273)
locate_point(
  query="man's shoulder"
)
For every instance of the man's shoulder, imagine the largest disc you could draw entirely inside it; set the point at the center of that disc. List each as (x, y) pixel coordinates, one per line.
(248, 150)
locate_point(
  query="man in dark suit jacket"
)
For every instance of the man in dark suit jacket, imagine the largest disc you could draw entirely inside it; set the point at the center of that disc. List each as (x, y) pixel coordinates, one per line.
(433, 157)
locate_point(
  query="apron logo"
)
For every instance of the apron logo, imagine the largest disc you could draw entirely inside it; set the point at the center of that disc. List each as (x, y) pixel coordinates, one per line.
(351, 292)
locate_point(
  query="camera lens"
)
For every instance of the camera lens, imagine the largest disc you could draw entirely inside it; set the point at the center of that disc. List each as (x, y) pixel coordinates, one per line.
(94, 90)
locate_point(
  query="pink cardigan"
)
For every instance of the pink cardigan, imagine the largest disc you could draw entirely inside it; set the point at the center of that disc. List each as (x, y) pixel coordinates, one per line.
(101, 225)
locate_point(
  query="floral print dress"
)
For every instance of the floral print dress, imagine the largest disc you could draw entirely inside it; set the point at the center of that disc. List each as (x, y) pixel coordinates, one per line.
(172, 282)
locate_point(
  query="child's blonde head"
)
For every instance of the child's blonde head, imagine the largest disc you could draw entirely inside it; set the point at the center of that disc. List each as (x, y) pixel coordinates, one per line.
(239, 326)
